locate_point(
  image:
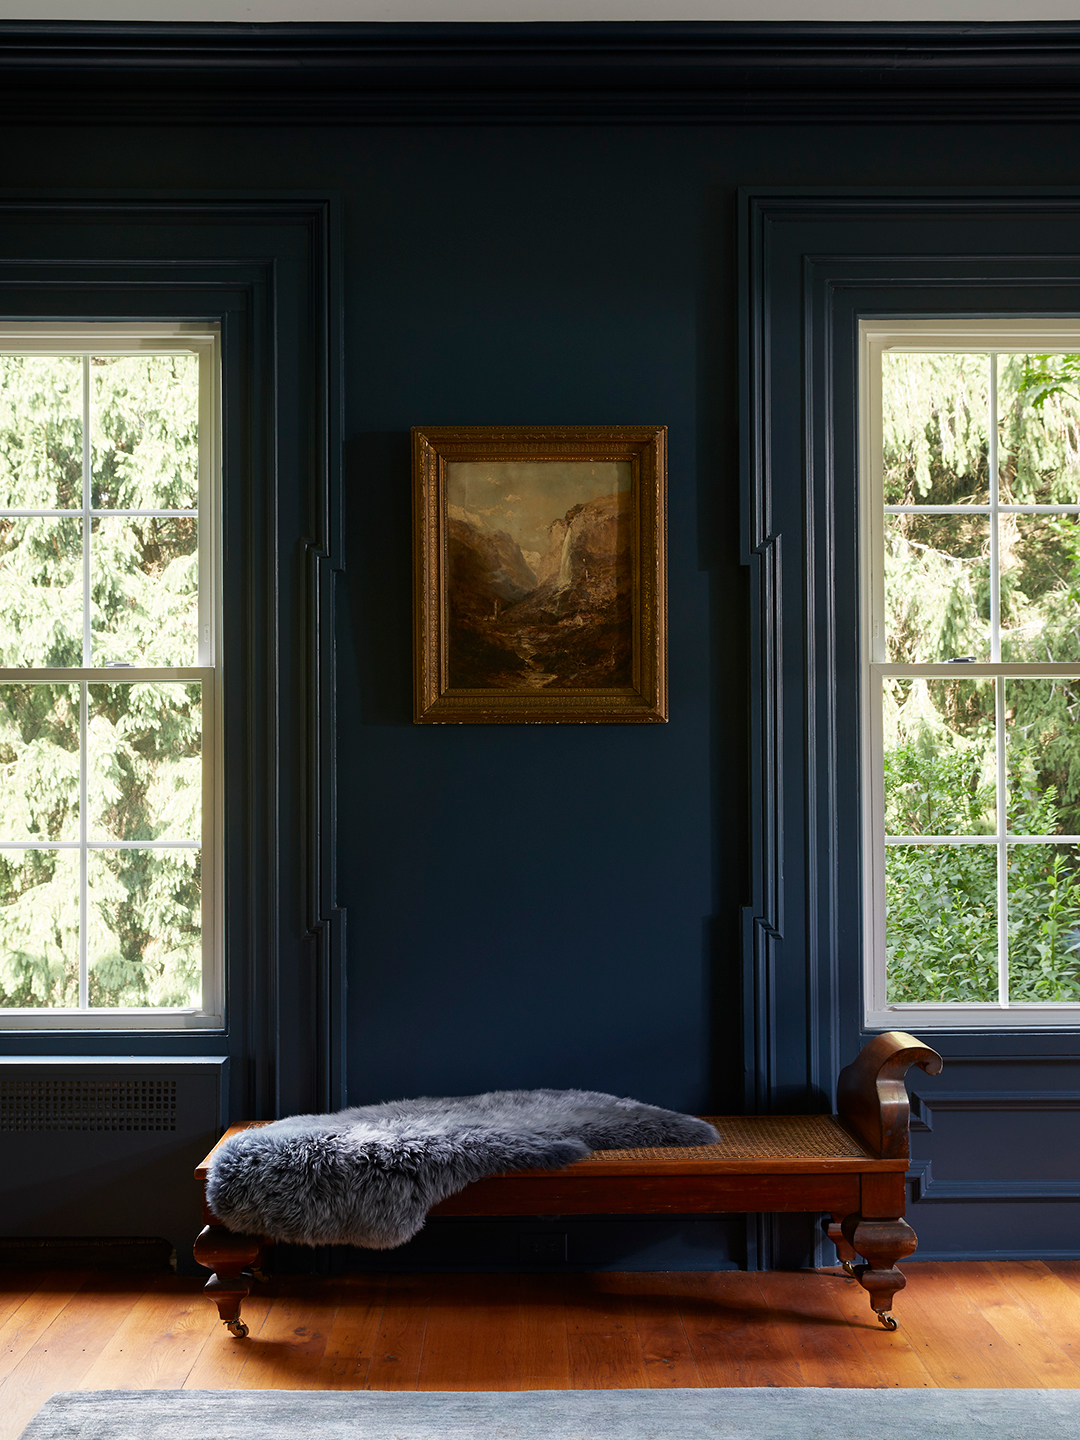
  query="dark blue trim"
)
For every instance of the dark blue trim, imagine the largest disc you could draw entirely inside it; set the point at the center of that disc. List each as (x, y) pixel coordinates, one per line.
(615, 72)
(925, 1190)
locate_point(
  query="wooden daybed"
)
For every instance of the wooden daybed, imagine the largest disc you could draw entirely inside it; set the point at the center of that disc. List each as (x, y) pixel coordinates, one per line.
(850, 1166)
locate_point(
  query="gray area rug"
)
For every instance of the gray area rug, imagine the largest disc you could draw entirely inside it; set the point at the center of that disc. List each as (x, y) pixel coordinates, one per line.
(369, 1175)
(559, 1415)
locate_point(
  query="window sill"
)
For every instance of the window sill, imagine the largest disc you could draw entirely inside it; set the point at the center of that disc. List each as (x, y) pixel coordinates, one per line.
(82, 1021)
(974, 1016)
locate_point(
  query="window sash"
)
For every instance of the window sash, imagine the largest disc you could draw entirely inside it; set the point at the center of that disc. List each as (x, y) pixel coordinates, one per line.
(106, 338)
(972, 337)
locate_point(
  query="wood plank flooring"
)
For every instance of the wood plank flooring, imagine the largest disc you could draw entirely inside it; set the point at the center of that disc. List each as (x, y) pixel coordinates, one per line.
(969, 1324)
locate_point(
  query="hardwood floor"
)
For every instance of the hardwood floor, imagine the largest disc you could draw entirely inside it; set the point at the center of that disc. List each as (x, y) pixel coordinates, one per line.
(974, 1324)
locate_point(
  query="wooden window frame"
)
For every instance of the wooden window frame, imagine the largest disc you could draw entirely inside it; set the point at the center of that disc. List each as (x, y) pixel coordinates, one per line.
(107, 337)
(970, 336)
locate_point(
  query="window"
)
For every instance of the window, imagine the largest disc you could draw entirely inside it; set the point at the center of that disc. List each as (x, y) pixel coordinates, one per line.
(970, 458)
(110, 905)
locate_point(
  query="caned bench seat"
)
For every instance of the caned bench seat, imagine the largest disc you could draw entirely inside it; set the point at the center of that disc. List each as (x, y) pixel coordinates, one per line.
(850, 1166)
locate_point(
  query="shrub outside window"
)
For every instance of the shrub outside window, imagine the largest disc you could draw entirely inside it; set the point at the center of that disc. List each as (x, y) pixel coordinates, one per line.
(970, 526)
(110, 904)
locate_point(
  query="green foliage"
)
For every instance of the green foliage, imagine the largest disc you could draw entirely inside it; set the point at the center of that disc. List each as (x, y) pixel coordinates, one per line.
(942, 936)
(39, 925)
(942, 899)
(1046, 377)
(935, 428)
(144, 433)
(941, 940)
(41, 415)
(143, 741)
(938, 791)
(1044, 924)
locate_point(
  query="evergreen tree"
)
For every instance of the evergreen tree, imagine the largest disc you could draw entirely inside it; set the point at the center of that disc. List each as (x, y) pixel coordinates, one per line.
(143, 740)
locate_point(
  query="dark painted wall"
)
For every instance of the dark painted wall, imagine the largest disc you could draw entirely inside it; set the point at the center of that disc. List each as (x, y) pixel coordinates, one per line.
(542, 905)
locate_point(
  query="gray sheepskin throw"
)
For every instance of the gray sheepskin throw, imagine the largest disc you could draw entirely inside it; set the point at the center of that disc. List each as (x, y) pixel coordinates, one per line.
(369, 1175)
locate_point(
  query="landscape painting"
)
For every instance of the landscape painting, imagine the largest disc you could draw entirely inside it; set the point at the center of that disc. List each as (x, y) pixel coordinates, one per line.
(539, 574)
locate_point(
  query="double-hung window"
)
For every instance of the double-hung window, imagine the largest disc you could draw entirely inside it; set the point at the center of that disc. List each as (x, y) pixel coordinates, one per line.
(970, 501)
(110, 888)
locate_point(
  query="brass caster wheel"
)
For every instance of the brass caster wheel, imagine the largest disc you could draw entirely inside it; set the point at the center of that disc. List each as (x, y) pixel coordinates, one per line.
(849, 1269)
(237, 1328)
(889, 1321)
(255, 1273)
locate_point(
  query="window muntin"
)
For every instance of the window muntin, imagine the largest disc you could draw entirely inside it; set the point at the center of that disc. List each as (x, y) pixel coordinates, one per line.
(970, 675)
(109, 694)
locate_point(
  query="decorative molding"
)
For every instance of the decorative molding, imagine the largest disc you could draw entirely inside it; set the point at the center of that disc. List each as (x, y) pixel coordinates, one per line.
(925, 1190)
(325, 566)
(967, 1101)
(536, 74)
(1033, 1058)
(962, 1100)
(763, 553)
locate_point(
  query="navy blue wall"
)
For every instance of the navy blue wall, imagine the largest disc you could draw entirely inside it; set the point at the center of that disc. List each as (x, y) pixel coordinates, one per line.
(542, 905)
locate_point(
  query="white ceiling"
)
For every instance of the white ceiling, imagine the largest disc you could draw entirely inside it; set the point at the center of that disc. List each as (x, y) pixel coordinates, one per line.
(496, 10)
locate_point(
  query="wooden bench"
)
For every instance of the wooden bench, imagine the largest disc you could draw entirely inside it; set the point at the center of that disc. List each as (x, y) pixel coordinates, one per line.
(850, 1166)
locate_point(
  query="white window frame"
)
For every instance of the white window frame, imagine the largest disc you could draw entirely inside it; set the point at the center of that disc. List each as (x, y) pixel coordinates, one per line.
(927, 336)
(203, 340)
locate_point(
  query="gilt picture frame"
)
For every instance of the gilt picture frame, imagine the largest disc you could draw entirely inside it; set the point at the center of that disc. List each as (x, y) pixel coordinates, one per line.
(539, 574)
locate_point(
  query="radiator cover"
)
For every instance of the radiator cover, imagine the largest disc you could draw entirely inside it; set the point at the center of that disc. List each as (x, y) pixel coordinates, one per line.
(35, 1103)
(106, 1146)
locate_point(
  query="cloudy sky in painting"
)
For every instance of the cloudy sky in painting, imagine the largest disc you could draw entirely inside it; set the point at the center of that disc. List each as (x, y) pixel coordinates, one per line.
(523, 497)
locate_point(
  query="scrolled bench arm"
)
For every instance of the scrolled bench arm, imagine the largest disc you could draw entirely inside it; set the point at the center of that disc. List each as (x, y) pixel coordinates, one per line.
(871, 1097)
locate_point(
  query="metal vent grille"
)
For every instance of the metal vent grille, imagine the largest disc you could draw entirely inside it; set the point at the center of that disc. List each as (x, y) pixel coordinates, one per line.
(87, 1104)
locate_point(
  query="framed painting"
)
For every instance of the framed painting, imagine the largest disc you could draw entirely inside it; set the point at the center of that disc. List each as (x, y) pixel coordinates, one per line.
(539, 574)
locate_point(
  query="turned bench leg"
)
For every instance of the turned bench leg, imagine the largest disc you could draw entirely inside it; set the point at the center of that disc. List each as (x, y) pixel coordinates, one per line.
(228, 1255)
(881, 1243)
(845, 1254)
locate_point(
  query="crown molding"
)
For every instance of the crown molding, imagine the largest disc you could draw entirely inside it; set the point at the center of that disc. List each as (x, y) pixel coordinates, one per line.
(532, 73)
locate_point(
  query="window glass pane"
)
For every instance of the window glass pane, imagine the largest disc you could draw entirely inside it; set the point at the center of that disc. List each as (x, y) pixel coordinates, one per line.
(937, 587)
(941, 925)
(1040, 587)
(136, 750)
(1039, 429)
(1042, 728)
(935, 428)
(144, 945)
(145, 587)
(144, 432)
(1044, 923)
(144, 745)
(40, 592)
(39, 928)
(40, 432)
(940, 765)
(39, 762)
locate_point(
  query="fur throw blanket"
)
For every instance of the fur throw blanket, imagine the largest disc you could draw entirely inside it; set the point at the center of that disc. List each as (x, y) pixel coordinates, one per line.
(368, 1176)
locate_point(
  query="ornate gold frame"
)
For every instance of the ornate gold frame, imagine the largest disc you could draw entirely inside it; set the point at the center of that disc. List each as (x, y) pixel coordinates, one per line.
(645, 700)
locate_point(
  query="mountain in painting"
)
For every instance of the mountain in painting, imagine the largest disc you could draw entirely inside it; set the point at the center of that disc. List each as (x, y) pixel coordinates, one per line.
(563, 622)
(487, 573)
